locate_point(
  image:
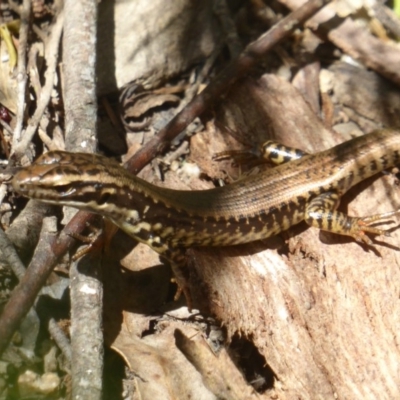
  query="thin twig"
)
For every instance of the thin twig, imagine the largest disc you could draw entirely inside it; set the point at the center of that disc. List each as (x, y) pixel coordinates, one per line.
(8, 250)
(46, 139)
(61, 339)
(21, 73)
(33, 70)
(6, 127)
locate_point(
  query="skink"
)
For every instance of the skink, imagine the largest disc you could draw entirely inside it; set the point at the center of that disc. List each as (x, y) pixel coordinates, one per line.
(169, 221)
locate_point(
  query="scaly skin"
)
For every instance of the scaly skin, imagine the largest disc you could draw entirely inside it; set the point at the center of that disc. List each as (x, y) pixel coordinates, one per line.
(308, 188)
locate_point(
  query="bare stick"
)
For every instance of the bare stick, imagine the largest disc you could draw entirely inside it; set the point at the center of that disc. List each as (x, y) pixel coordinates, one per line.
(86, 288)
(8, 250)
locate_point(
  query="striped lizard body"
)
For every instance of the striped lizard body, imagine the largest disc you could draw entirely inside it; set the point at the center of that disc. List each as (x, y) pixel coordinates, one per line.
(308, 188)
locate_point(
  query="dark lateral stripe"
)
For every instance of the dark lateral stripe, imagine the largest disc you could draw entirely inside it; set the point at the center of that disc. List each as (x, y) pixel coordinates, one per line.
(253, 208)
(373, 165)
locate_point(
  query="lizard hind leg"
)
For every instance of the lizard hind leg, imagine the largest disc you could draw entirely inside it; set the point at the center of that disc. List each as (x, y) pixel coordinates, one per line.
(321, 213)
